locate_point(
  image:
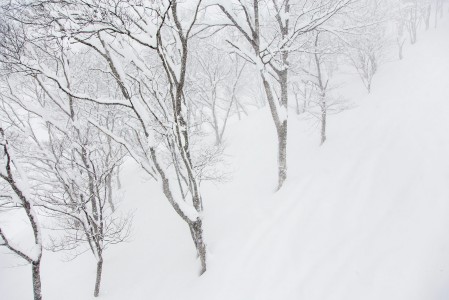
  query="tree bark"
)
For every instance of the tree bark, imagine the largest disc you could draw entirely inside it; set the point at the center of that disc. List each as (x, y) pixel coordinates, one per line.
(37, 290)
(109, 191)
(282, 154)
(196, 229)
(323, 121)
(98, 277)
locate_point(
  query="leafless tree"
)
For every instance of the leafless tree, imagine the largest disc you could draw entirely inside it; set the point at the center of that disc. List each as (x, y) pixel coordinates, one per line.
(143, 49)
(16, 192)
(217, 80)
(319, 67)
(411, 10)
(271, 29)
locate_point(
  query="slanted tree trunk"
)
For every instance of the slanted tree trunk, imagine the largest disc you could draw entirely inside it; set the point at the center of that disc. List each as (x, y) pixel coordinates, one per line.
(281, 130)
(196, 229)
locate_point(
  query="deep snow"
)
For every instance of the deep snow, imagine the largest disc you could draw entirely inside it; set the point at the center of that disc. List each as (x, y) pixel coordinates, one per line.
(365, 216)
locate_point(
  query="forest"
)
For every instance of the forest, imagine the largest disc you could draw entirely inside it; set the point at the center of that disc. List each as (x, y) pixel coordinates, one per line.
(106, 101)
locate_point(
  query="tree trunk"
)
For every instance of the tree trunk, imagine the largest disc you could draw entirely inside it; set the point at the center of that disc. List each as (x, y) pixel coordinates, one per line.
(119, 183)
(196, 230)
(297, 105)
(36, 270)
(427, 17)
(281, 126)
(98, 278)
(413, 34)
(400, 46)
(282, 154)
(109, 190)
(323, 122)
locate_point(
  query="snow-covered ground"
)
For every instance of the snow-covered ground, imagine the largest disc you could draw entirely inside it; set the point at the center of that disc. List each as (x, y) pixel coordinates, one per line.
(366, 216)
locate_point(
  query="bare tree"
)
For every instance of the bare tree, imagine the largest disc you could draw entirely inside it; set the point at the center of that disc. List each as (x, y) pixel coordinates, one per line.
(439, 10)
(398, 18)
(412, 18)
(425, 11)
(319, 67)
(271, 38)
(73, 162)
(217, 81)
(367, 46)
(365, 57)
(17, 192)
(73, 165)
(151, 42)
(302, 90)
(83, 206)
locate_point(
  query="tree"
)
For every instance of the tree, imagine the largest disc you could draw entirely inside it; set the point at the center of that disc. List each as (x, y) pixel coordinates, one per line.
(366, 48)
(83, 206)
(412, 18)
(151, 42)
(72, 164)
(217, 81)
(72, 160)
(317, 72)
(302, 90)
(17, 191)
(321, 82)
(439, 10)
(269, 30)
(398, 17)
(365, 56)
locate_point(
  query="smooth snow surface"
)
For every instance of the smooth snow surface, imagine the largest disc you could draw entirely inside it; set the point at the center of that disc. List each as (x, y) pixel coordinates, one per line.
(365, 216)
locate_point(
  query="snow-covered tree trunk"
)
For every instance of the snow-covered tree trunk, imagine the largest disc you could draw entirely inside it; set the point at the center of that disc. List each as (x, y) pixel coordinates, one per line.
(36, 270)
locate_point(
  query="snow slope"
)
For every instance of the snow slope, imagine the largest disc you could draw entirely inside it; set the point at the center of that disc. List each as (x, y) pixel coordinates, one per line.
(365, 216)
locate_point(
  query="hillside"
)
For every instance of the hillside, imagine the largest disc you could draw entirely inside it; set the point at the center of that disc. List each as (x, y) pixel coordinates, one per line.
(365, 216)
